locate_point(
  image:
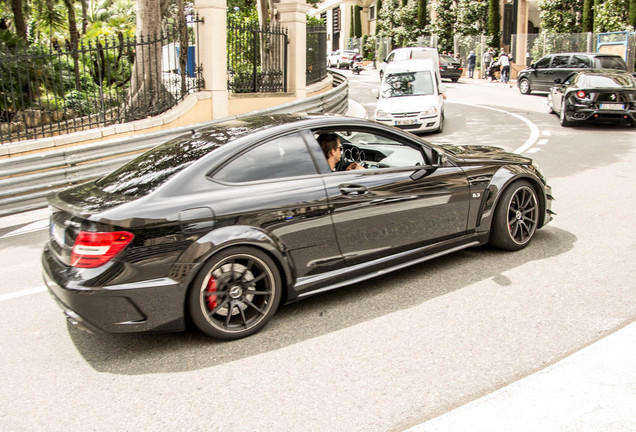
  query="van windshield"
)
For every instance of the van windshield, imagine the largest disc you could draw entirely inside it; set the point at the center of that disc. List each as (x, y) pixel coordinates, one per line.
(407, 84)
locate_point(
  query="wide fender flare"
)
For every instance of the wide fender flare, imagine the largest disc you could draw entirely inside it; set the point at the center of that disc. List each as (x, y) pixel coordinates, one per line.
(217, 240)
(503, 178)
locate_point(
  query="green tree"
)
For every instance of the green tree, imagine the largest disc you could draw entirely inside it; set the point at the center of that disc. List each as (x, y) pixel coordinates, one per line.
(632, 14)
(611, 15)
(561, 16)
(399, 22)
(422, 14)
(588, 16)
(358, 22)
(472, 17)
(444, 24)
(494, 17)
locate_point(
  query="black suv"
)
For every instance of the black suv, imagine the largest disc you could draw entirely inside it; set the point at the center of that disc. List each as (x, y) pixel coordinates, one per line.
(540, 76)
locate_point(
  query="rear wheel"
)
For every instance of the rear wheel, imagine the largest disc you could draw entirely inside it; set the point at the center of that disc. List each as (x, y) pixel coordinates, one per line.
(524, 86)
(516, 217)
(564, 120)
(236, 293)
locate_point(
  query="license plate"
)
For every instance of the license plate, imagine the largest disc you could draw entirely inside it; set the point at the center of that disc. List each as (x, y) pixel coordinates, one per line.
(57, 233)
(450, 67)
(405, 122)
(612, 106)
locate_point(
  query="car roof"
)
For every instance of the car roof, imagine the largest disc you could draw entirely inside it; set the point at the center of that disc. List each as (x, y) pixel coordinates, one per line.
(410, 66)
(585, 54)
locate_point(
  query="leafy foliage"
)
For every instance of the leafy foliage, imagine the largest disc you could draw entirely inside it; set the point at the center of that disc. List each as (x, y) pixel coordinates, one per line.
(561, 16)
(444, 24)
(612, 15)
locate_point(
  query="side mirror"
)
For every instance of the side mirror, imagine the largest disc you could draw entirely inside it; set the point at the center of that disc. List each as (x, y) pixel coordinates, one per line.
(533, 66)
(375, 93)
(557, 81)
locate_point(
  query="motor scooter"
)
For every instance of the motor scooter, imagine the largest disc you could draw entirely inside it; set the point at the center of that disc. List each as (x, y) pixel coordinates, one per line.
(357, 67)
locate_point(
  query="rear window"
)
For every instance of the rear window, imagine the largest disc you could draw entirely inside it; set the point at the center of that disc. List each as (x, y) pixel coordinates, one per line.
(612, 81)
(610, 63)
(147, 172)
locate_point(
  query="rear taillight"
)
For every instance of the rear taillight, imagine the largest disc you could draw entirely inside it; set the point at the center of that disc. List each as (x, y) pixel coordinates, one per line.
(93, 249)
(581, 94)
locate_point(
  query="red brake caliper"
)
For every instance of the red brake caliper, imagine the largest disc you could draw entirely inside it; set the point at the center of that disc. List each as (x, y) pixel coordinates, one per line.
(211, 298)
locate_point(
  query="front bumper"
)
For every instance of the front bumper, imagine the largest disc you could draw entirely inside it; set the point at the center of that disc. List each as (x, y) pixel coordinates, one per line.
(419, 125)
(153, 305)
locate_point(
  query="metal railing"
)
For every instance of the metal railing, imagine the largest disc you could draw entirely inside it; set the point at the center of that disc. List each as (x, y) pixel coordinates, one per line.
(47, 91)
(25, 181)
(316, 50)
(256, 58)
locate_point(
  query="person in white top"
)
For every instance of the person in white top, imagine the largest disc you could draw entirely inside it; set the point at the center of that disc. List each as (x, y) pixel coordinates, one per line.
(504, 62)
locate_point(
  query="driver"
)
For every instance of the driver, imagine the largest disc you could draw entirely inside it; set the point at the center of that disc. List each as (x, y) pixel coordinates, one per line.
(331, 147)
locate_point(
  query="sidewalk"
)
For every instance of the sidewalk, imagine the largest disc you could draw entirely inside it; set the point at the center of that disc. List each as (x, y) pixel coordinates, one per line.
(590, 391)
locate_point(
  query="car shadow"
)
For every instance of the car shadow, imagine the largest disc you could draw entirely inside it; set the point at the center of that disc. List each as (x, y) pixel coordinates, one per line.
(138, 354)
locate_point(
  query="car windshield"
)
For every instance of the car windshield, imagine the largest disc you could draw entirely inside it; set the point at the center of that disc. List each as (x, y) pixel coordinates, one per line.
(407, 84)
(614, 81)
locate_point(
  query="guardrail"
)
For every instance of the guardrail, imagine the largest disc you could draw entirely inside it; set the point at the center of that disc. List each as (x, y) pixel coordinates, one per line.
(25, 181)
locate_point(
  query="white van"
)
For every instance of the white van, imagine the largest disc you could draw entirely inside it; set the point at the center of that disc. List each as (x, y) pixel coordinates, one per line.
(409, 53)
(411, 96)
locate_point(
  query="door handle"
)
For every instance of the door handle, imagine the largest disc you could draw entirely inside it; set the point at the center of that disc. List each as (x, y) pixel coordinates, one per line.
(353, 189)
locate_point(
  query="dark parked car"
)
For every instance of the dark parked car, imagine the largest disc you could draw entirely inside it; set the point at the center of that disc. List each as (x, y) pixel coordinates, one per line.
(540, 76)
(594, 95)
(450, 68)
(224, 224)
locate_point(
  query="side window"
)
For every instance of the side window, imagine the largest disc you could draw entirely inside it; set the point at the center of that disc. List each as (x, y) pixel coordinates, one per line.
(580, 62)
(611, 63)
(543, 63)
(560, 61)
(375, 150)
(282, 157)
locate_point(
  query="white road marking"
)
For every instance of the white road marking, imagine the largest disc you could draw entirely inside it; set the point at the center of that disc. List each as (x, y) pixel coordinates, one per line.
(22, 293)
(542, 141)
(32, 227)
(534, 130)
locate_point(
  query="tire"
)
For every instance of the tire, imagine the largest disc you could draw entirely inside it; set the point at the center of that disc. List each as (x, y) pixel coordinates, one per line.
(338, 64)
(454, 79)
(550, 106)
(516, 217)
(381, 75)
(235, 294)
(564, 121)
(440, 129)
(524, 86)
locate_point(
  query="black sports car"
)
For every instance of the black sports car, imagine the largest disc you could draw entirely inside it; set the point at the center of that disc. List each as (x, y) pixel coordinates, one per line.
(224, 224)
(594, 95)
(450, 68)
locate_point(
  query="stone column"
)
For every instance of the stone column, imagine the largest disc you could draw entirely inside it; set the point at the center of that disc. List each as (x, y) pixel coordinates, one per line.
(522, 33)
(212, 45)
(293, 15)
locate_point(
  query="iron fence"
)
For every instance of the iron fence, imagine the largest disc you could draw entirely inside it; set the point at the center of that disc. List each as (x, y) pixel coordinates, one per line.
(316, 49)
(256, 58)
(59, 89)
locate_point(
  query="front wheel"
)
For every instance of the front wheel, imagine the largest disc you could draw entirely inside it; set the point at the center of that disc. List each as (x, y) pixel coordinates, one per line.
(524, 86)
(550, 106)
(236, 293)
(516, 217)
(440, 128)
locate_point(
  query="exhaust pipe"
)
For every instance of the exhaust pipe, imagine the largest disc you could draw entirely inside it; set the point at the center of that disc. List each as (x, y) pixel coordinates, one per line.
(578, 115)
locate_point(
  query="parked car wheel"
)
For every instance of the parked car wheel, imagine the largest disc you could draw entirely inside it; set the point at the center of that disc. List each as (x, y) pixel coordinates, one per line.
(516, 217)
(524, 86)
(564, 121)
(235, 294)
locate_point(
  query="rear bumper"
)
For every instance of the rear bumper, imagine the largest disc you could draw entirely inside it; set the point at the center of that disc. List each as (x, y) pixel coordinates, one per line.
(586, 113)
(154, 305)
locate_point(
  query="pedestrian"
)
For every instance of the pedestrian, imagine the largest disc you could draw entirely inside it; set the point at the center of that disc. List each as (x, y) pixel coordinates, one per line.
(487, 60)
(472, 59)
(504, 62)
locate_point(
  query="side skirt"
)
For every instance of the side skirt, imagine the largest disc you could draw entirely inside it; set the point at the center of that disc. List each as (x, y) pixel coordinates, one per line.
(356, 269)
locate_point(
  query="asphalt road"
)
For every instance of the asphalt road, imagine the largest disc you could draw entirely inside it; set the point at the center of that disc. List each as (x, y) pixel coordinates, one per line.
(382, 355)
